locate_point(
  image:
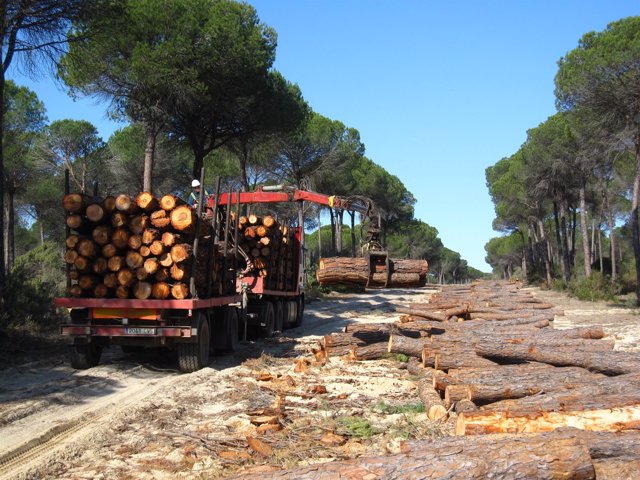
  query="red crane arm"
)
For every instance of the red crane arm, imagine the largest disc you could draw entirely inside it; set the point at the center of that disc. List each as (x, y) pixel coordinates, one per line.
(261, 196)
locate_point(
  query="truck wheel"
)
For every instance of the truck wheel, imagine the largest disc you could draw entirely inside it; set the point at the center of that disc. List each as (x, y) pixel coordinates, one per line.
(226, 330)
(84, 356)
(194, 356)
(299, 311)
(291, 313)
(268, 317)
(279, 315)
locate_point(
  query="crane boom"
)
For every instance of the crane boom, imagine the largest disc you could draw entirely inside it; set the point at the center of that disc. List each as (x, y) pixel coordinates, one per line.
(372, 249)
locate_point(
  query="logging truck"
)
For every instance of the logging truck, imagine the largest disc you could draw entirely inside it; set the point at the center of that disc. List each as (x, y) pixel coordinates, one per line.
(155, 272)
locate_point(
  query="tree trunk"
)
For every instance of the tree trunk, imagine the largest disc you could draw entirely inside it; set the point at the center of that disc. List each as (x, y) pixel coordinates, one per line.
(635, 225)
(564, 236)
(333, 231)
(547, 255)
(2, 226)
(600, 250)
(574, 223)
(593, 240)
(612, 245)
(319, 234)
(559, 242)
(585, 231)
(198, 161)
(339, 217)
(11, 235)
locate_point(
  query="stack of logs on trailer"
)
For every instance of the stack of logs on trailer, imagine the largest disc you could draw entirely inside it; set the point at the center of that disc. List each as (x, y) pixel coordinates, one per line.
(487, 356)
(272, 250)
(138, 247)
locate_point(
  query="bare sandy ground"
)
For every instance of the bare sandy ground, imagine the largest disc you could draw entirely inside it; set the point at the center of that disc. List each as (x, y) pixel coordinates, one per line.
(135, 416)
(622, 324)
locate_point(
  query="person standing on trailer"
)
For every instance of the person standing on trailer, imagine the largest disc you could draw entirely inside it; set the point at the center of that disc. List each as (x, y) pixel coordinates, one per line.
(195, 195)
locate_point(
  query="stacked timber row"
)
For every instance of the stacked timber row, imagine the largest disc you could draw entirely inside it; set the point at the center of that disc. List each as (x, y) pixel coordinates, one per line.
(271, 251)
(488, 352)
(355, 271)
(140, 247)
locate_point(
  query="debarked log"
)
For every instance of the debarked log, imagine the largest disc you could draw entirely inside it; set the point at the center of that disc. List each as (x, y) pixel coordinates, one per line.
(602, 419)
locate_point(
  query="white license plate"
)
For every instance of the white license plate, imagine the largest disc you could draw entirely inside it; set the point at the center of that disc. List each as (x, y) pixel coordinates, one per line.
(139, 331)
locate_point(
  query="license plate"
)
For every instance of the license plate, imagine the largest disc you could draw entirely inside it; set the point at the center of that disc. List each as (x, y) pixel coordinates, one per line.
(139, 331)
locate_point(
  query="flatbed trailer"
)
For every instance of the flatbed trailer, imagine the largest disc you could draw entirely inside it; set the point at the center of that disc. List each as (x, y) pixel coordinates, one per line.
(241, 304)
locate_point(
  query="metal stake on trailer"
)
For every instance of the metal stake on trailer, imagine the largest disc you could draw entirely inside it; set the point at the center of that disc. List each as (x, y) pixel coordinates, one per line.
(192, 279)
(211, 261)
(226, 243)
(67, 229)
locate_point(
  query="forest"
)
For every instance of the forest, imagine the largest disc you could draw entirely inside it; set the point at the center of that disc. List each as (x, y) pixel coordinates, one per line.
(195, 85)
(566, 202)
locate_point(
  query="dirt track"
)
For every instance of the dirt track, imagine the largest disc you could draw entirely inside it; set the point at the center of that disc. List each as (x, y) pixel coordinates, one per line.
(135, 416)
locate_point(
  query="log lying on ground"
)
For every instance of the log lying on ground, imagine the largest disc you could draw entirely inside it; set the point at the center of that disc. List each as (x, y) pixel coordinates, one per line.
(548, 456)
(530, 338)
(616, 468)
(437, 355)
(503, 382)
(607, 362)
(609, 444)
(355, 271)
(431, 400)
(608, 392)
(600, 419)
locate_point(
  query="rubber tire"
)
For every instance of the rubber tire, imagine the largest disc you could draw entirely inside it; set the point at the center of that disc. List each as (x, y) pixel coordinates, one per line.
(193, 356)
(226, 331)
(83, 356)
(291, 313)
(299, 311)
(278, 310)
(267, 316)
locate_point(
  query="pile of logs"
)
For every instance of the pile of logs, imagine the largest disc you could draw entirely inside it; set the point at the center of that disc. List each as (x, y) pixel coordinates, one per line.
(271, 249)
(138, 247)
(401, 273)
(487, 355)
(562, 454)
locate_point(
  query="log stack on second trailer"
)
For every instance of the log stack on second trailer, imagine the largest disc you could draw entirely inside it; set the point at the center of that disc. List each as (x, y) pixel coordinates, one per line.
(141, 247)
(271, 249)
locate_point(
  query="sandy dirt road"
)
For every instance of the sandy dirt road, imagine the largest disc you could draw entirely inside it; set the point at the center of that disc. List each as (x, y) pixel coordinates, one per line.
(136, 416)
(66, 416)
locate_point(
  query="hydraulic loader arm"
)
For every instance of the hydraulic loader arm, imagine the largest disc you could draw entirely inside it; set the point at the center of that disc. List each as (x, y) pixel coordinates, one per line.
(372, 250)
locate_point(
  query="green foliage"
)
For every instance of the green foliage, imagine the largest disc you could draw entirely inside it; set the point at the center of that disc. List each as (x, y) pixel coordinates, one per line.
(407, 408)
(415, 239)
(76, 146)
(356, 427)
(401, 357)
(505, 252)
(595, 287)
(36, 278)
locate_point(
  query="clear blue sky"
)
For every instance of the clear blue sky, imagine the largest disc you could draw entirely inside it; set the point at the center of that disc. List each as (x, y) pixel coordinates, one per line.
(439, 90)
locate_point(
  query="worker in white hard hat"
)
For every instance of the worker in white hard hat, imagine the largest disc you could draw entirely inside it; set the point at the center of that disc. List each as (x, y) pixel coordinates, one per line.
(195, 193)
